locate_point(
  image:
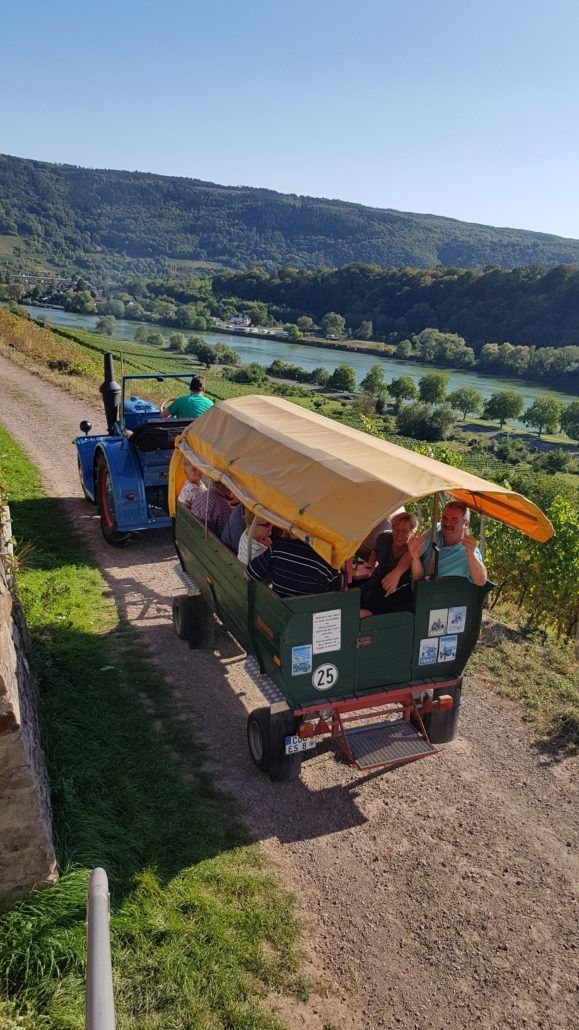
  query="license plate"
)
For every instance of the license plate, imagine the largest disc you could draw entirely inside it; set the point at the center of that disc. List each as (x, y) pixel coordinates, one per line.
(295, 744)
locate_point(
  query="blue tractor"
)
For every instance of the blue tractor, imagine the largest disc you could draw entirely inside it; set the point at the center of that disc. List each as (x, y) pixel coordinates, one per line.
(125, 471)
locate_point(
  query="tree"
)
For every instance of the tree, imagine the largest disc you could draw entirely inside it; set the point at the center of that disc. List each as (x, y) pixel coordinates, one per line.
(81, 302)
(343, 379)
(570, 420)
(365, 330)
(155, 339)
(402, 389)
(141, 334)
(404, 349)
(425, 422)
(320, 376)
(373, 382)
(206, 354)
(333, 326)
(503, 405)
(466, 400)
(226, 355)
(106, 325)
(194, 343)
(177, 342)
(306, 324)
(432, 387)
(252, 373)
(544, 413)
(293, 333)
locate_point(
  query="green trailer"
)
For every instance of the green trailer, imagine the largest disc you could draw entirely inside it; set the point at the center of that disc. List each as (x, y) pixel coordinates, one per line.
(386, 688)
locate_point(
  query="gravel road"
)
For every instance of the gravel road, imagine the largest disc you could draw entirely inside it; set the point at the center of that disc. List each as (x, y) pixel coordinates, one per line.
(437, 895)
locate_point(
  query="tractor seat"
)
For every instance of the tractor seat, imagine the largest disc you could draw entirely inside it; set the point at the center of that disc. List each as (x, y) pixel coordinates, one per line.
(157, 434)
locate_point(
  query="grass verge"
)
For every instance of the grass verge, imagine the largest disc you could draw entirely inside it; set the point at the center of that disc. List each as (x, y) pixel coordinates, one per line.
(200, 931)
(537, 671)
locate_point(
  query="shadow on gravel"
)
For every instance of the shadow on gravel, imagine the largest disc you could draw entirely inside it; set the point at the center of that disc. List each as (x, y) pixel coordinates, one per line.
(561, 743)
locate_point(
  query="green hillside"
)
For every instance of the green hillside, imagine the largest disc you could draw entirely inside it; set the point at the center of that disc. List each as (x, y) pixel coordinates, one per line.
(96, 218)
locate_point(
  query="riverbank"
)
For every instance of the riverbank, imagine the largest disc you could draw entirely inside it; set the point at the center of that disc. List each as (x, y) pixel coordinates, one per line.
(327, 354)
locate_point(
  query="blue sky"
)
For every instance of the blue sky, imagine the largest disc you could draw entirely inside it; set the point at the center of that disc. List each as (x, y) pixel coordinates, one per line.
(468, 109)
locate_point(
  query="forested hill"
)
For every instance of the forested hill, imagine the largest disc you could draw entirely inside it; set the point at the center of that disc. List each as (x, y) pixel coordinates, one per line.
(79, 216)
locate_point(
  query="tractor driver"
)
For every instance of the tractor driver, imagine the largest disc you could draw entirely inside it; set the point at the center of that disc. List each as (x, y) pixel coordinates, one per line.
(190, 405)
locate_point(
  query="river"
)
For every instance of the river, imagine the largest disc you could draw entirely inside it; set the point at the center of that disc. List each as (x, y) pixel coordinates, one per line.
(265, 350)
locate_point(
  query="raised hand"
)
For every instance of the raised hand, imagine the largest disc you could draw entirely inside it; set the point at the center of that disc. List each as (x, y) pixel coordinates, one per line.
(469, 542)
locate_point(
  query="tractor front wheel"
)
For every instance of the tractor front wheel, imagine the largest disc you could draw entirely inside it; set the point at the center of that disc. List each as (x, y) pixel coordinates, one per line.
(106, 503)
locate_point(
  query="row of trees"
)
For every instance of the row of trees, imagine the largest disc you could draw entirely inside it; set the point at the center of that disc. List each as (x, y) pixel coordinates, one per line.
(504, 359)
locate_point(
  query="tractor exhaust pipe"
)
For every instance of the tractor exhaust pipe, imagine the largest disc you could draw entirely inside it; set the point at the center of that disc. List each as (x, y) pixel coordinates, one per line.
(111, 393)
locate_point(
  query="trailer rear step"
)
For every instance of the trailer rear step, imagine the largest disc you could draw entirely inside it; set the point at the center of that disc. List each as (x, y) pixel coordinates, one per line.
(386, 743)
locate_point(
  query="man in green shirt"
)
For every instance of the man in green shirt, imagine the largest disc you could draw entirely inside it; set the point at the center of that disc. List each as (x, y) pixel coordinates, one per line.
(191, 405)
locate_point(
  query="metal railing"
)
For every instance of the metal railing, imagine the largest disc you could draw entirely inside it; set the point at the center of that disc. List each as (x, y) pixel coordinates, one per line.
(100, 1003)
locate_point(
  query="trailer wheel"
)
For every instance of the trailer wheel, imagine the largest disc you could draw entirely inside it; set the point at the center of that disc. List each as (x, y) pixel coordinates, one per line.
(107, 508)
(258, 737)
(266, 735)
(87, 496)
(193, 621)
(442, 726)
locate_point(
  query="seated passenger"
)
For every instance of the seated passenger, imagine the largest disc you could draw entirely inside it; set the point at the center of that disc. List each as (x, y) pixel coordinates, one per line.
(193, 484)
(458, 551)
(368, 546)
(213, 506)
(261, 538)
(293, 568)
(233, 528)
(389, 589)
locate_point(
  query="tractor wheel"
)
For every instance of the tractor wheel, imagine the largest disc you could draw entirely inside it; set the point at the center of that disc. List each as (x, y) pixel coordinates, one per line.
(193, 621)
(265, 736)
(87, 496)
(106, 503)
(442, 726)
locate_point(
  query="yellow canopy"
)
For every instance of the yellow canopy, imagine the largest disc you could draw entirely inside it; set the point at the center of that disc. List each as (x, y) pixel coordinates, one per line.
(329, 483)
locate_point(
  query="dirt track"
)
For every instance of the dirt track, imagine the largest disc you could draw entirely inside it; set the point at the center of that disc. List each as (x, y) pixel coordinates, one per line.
(438, 895)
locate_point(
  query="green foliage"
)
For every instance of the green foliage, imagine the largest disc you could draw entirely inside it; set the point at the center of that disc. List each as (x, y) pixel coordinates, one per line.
(432, 387)
(503, 405)
(96, 217)
(106, 325)
(141, 334)
(343, 379)
(200, 932)
(570, 420)
(364, 330)
(541, 578)
(544, 414)
(373, 381)
(425, 422)
(333, 326)
(156, 339)
(177, 342)
(466, 400)
(252, 373)
(402, 389)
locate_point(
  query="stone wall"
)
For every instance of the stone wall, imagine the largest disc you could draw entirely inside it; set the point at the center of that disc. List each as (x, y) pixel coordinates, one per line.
(26, 850)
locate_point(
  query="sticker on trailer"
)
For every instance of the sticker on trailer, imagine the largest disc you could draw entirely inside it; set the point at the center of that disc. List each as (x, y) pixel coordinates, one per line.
(428, 651)
(325, 676)
(437, 622)
(301, 659)
(457, 619)
(447, 649)
(327, 631)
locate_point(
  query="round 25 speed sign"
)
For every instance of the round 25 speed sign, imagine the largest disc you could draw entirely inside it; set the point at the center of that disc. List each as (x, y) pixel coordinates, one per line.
(325, 676)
